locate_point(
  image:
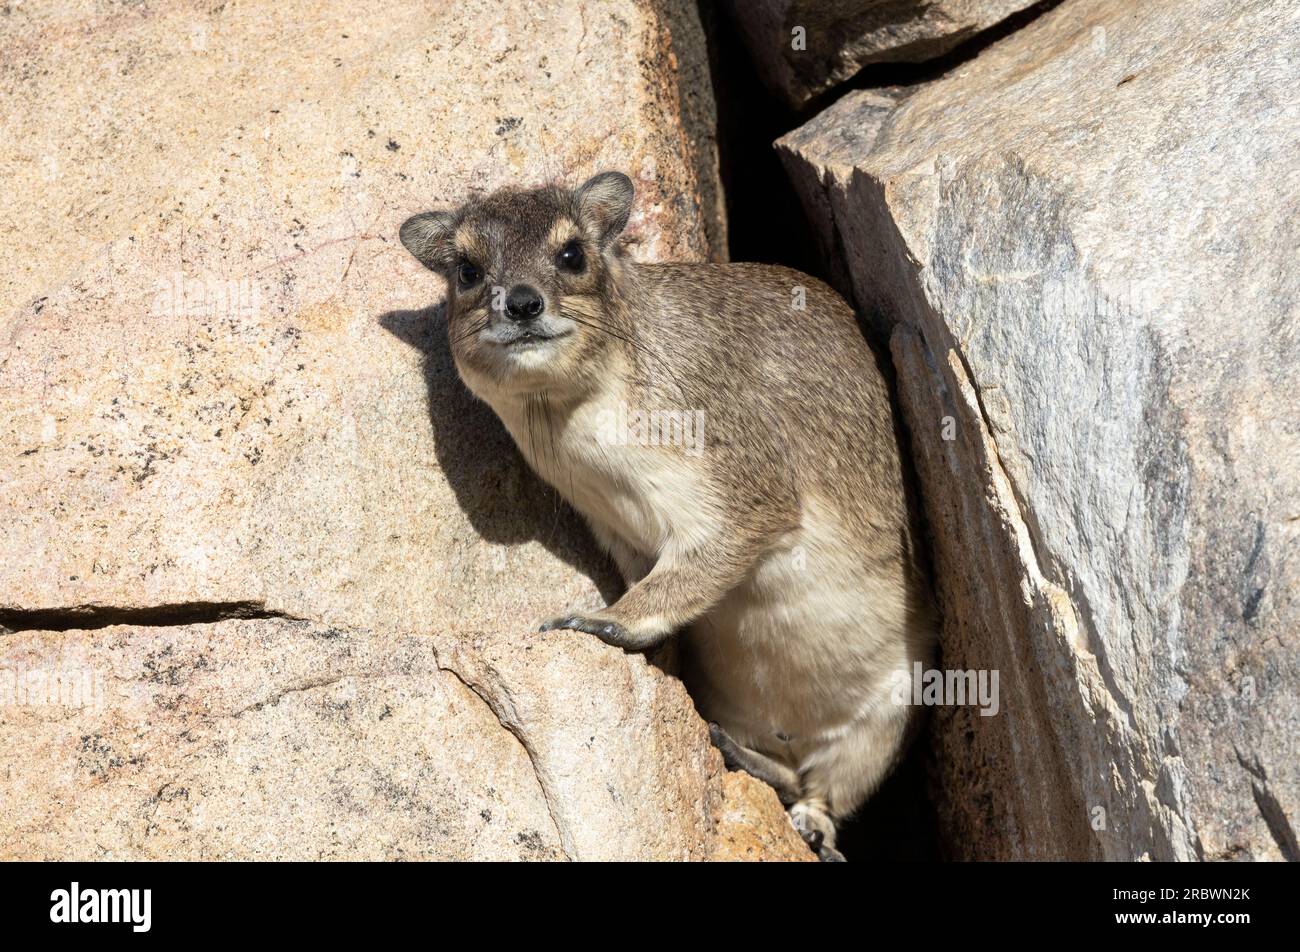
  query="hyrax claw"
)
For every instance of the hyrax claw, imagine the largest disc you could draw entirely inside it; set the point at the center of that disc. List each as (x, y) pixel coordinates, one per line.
(564, 621)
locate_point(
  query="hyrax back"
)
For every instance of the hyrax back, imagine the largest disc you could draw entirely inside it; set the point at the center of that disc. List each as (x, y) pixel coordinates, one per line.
(728, 436)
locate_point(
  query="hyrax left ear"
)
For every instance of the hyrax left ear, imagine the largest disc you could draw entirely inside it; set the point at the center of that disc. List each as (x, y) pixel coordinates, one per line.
(428, 237)
(604, 204)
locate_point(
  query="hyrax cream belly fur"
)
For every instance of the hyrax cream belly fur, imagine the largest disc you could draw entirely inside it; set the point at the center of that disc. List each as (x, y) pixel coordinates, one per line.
(726, 433)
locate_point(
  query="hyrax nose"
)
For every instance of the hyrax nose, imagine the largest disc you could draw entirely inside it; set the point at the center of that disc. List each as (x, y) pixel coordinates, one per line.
(523, 303)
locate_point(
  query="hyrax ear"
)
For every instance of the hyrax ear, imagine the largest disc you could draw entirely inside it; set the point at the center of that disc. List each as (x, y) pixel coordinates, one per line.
(428, 237)
(604, 203)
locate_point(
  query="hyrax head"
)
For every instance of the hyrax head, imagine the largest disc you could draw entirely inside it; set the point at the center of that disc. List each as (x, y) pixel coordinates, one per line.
(528, 274)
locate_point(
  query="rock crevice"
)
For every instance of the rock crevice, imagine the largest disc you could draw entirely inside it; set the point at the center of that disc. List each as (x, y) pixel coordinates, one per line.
(89, 617)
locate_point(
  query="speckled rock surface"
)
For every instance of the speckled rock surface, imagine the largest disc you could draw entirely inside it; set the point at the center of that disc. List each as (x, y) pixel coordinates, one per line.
(225, 394)
(749, 825)
(264, 739)
(214, 349)
(839, 37)
(278, 739)
(1083, 242)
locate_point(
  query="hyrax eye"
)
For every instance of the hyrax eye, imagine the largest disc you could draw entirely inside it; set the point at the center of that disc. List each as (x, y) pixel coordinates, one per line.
(571, 257)
(468, 274)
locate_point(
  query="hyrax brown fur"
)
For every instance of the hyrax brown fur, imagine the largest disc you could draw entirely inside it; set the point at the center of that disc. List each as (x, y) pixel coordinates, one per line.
(770, 528)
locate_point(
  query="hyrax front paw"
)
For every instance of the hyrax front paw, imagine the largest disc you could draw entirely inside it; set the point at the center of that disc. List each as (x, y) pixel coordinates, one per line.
(610, 632)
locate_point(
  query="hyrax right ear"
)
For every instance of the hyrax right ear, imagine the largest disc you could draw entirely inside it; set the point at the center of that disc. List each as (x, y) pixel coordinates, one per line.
(428, 237)
(604, 203)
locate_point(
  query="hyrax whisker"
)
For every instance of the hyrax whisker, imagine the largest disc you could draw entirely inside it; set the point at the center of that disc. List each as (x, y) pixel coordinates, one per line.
(470, 332)
(659, 361)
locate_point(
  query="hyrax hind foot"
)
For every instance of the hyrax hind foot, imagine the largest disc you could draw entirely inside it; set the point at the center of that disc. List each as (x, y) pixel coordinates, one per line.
(809, 815)
(776, 775)
(817, 829)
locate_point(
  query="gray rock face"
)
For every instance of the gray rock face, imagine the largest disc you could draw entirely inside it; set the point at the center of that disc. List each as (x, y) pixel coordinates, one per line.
(1083, 243)
(804, 47)
(241, 488)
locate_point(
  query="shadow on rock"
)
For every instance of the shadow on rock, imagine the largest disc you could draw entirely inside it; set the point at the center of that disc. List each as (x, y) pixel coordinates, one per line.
(506, 503)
